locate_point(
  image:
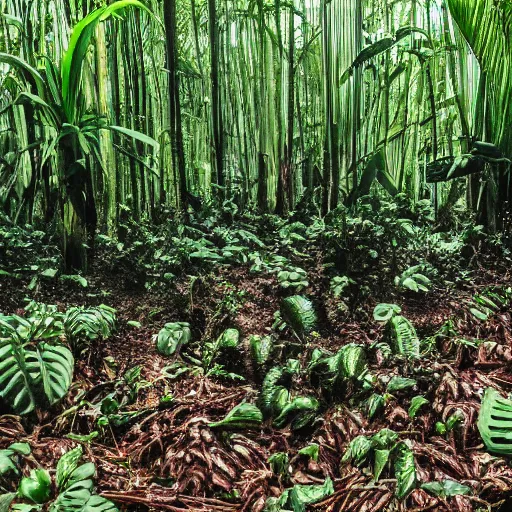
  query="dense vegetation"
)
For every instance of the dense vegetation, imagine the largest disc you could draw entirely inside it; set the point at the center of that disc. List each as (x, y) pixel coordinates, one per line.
(255, 256)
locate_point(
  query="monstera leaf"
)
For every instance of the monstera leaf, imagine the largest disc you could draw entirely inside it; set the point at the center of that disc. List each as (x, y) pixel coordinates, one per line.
(31, 375)
(9, 457)
(299, 314)
(495, 422)
(172, 337)
(89, 323)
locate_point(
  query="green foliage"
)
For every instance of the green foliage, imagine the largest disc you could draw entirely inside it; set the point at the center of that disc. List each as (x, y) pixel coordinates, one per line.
(89, 323)
(384, 448)
(384, 312)
(414, 279)
(299, 412)
(32, 375)
(339, 284)
(489, 302)
(261, 348)
(405, 471)
(349, 363)
(403, 336)
(294, 278)
(399, 383)
(299, 497)
(299, 314)
(446, 488)
(9, 458)
(173, 337)
(73, 483)
(416, 403)
(37, 366)
(36, 487)
(242, 416)
(495, 422)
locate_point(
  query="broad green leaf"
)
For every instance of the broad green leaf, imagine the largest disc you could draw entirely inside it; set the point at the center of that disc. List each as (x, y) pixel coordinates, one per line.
(381, 460)
(495, 422)
(384, 312)
(67, 465)
(36, 487)
(310, 451)
(398, 383)
(416, 403)
(6, 500)
(446, 488)
(405, 471)
(298, 312)
(242, 416)
(302, 495)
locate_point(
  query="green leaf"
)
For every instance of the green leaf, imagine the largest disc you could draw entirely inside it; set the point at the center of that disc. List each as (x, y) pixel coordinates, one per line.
(298, 312)
(261, 348)
(244, 416)
(385, 438)
(66, 466)
(6, 500)
(398, 383)
(374, 404)
(279, 463)
(50, 272)
(302, 495)
(310, 451)
(404, 337)
(416, 403)
(495, 422)
(381, 459)
(172, 337)
(446, 488)
(352, 360)
(479, 315)
(26, 369)
(36, 487)
(405, 471)
(72, 61)
(358, 450)
(384, 312)
(300, 411)
(141, 137)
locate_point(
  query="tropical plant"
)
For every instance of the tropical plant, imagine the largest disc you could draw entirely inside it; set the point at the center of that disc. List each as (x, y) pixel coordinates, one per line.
(495, 422)
(33, 374)
(172, 337)
(73, 483)
(37, 365)
(298, 313)
(414, 279)
(59, 106)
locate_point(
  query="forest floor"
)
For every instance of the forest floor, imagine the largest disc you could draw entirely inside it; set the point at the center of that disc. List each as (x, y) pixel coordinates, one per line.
(390, 427)
(168, 458)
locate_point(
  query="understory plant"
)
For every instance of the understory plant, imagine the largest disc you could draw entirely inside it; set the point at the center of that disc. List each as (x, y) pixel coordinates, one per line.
(58, 105)
(72, 487)
(36, 363)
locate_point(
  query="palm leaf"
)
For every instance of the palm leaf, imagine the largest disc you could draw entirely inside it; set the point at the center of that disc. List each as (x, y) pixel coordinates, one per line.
(71, 69)
(486, 25)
